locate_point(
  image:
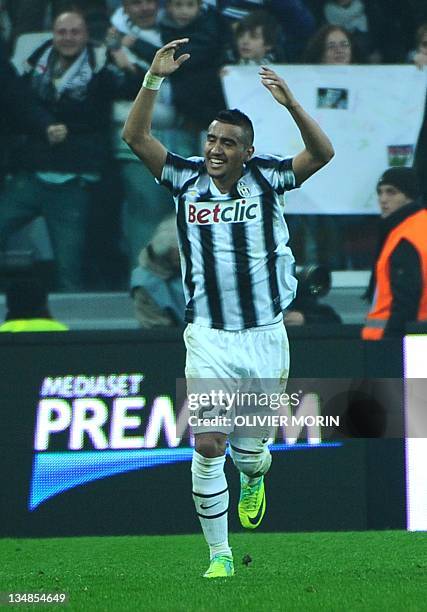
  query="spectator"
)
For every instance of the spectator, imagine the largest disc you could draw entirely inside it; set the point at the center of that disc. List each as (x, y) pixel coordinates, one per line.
(398, 283)
(39, 15)
(419, 55)
(18, 111)
(316, 8)
(30, 15)
(136, 36)
(209, 37)
(351, 15)
(314, 282)
(392, 25)
(53, 176)
(294, 19)
(97, 18)
(255, 39)
(331, 45)
(181, 13)
(156, 285)
(27, 308)
(331, 239)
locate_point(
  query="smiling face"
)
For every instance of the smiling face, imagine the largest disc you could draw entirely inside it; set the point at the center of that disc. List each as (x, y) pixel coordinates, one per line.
(70, 35)
(183, 11)
(337, 48)
(391, 199)
(226, 150)
(143, 13)
(251, 44)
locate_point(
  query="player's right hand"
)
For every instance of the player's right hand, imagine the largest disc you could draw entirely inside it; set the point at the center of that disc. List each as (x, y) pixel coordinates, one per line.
(164, 62)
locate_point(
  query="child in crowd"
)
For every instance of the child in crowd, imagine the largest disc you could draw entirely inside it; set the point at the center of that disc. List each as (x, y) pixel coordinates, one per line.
(255, 39)
(209, 37)
(182, 12)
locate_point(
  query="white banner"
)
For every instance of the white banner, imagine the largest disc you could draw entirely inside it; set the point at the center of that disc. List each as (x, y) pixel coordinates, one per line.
(372, 114)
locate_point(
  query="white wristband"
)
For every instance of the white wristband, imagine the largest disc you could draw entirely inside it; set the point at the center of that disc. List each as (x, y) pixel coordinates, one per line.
(152, 81)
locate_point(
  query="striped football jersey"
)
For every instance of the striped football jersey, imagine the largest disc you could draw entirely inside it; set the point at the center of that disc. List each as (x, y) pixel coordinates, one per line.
(237, 268)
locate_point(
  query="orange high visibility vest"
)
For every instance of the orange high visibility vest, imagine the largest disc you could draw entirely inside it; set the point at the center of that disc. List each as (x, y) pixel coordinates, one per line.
(414, 230)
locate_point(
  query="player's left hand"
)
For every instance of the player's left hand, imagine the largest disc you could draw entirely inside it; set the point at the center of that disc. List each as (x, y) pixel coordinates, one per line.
(277, 87)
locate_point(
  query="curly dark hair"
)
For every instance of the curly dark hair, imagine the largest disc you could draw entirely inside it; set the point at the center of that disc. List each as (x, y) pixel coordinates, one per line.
(315, 48)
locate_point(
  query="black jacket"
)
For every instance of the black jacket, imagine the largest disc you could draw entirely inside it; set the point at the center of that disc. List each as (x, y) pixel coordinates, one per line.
(18, 112)
(196, 86)
(86, 147)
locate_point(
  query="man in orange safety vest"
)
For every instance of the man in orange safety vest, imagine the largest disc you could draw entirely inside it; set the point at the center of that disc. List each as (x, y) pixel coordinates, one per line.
(398, 286)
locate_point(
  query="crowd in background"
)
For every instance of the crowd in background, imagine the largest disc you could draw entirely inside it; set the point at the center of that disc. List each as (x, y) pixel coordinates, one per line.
(64, 160)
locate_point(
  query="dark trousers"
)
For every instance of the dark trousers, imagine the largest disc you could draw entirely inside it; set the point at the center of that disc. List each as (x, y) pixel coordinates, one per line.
(65, 208)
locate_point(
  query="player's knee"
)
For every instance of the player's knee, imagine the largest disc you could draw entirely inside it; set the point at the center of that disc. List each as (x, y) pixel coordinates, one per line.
(251, 464)
(253, 467)
(210, 445)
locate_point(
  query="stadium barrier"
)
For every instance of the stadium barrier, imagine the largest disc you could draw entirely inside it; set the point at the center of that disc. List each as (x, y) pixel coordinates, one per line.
(76, 460)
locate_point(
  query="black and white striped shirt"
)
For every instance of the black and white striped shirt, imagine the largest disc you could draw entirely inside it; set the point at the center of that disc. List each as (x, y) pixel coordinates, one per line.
(237, 268)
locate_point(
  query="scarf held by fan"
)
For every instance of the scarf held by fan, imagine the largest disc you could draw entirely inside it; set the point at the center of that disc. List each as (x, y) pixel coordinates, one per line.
(48, 78)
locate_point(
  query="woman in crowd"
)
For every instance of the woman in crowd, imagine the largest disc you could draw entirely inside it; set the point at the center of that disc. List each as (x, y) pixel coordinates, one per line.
(335, 240)
(331, 45)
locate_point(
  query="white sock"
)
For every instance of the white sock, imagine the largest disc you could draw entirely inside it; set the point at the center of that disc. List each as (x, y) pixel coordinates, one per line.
(220, 549)
(210, 495)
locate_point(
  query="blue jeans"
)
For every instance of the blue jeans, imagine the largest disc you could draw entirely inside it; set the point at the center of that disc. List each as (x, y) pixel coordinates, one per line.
(65, 207)
(146, 205)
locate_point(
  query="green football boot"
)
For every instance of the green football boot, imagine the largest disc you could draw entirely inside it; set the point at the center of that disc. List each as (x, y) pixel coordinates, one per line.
(251, 503)
(220, 567)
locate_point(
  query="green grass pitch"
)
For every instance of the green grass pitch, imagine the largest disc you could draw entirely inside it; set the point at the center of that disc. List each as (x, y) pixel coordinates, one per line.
(378, 571)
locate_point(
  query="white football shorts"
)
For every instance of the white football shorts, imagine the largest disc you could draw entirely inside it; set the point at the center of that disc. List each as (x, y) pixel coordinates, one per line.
(254, 359)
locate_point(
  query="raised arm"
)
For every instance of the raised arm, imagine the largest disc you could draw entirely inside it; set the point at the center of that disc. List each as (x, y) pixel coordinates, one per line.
(318, 148)
(137, 130)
